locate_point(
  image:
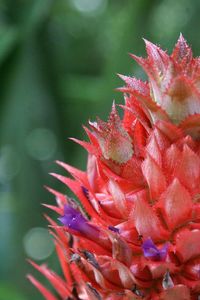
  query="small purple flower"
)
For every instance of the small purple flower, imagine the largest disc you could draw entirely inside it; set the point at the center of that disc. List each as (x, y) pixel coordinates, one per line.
(74, 220)
(152, 252)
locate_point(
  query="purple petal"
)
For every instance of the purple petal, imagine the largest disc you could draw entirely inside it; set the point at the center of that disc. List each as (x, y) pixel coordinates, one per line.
(152, 252)
(74, 220)
(114, 229)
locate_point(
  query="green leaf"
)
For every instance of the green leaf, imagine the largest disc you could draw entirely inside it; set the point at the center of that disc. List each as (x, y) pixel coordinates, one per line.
(8, 291)
(8, 38)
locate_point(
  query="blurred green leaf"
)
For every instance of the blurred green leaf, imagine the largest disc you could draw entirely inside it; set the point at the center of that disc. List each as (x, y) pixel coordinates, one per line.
(37, 12)
(10, 292)
(8, 39)
(83, 87)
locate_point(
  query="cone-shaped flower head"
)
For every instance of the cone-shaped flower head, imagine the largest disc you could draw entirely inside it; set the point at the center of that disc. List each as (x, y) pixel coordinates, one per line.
(138, 235)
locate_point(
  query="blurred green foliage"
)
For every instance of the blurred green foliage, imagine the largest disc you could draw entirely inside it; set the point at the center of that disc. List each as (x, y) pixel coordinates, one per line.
(58, 62)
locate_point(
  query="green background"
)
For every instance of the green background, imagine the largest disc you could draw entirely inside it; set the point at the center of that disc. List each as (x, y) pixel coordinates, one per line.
(58, 66)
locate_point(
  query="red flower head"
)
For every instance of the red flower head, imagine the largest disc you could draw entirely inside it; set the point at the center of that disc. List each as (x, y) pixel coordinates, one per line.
(138, 234)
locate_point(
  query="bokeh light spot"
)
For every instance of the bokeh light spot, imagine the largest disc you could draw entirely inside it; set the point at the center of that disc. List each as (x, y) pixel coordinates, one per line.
(178, 15)
(41, 144)
(38, 243)
(89, 6)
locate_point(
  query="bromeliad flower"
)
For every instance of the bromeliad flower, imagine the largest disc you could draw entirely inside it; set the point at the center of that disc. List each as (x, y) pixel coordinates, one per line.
(74, 220)
(140, 190)
(152, 252)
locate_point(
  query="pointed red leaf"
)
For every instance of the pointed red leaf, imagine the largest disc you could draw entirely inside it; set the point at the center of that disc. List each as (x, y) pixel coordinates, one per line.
(57, 282)
(76, 173)
(147, 222)
(176, 205)
(188, 170)
(44, 291)
(187, 244)
(154, 176)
